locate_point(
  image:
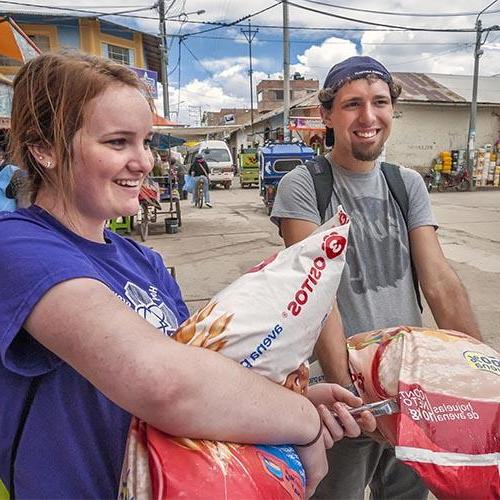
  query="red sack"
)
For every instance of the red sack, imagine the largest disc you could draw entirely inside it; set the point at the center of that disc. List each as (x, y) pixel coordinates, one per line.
(163, 467)
(448, 388)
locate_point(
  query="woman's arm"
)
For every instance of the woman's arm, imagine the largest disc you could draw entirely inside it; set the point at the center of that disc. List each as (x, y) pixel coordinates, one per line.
(182, 390)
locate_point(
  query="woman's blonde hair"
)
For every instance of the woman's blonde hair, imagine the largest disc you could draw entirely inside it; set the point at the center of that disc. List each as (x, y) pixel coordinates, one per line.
(51, 93)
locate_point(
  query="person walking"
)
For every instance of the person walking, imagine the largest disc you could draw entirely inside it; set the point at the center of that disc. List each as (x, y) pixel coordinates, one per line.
(377, 289)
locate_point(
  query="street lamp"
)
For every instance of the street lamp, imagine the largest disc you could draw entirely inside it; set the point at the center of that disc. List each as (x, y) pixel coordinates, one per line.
(478, 52)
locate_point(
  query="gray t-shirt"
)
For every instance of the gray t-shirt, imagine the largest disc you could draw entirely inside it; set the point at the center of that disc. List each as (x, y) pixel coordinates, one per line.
(376, 289)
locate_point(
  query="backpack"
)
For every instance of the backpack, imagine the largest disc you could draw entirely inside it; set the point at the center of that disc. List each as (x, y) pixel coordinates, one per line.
(323, 180)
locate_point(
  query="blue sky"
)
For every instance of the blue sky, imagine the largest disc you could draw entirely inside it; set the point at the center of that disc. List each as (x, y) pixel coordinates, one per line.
(217, 76)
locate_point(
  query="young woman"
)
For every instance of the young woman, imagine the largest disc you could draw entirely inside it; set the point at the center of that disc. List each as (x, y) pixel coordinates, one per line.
(77, 357)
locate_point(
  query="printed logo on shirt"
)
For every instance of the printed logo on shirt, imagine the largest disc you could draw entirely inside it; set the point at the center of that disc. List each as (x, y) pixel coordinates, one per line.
(375, 236)
(157, 314)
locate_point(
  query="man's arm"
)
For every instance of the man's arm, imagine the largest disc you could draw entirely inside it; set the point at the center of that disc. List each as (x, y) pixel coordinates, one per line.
(442, 288)
(330, 348)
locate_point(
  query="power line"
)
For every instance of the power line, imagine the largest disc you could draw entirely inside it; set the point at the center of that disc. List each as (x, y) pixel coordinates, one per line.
(401, 14)
(196, 59)
(227, 25)
(70, 9)
(393, 26)
(217, 25)
(310, 42)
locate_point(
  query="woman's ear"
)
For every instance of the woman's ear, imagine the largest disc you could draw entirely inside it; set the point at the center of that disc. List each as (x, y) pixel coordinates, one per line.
(42, 155)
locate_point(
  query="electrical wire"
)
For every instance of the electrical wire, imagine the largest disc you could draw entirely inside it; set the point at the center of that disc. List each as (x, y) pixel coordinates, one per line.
(393, 26)
(216, 25)
(226, 25)
(403, 14)
(309, 42)
(211, 75)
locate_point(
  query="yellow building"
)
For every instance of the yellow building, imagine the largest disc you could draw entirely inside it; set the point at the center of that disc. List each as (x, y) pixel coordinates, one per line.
(87, 34)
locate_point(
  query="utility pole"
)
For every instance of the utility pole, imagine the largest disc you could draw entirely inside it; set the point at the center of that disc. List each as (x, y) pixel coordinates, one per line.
(250, 35)
(478, 52)
(471, 137)
(164, 58)
(286, 74)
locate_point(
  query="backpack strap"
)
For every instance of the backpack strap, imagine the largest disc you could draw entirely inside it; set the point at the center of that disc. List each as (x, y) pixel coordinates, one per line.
(28, 401)
(397, 188)
(321, 173)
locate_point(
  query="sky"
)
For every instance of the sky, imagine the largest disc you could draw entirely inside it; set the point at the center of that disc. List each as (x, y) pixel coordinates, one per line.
(212, 70)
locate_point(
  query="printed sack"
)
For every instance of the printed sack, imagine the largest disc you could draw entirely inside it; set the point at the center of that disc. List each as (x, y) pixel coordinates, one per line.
(267, 320)
(448, 388)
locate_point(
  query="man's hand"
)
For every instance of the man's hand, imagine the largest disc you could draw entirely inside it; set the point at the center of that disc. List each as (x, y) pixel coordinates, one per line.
(330, 398)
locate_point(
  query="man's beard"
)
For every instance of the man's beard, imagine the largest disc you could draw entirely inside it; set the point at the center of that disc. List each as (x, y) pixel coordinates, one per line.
(370, 153)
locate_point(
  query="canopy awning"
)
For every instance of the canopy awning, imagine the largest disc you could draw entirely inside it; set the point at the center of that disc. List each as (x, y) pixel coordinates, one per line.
(165, 141)
(14, 43)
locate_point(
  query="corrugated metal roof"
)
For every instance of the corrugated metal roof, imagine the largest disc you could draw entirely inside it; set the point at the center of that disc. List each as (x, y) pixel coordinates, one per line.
(488, 89)
(421, 87)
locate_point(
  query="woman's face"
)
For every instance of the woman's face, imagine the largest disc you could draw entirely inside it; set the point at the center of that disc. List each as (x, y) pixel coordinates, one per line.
(111, 155)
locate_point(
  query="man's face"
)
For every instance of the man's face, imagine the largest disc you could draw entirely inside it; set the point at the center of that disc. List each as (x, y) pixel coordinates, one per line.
(361, 118)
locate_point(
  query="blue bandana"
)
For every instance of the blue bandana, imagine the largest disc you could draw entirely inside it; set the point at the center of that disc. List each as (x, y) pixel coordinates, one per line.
(353, 69)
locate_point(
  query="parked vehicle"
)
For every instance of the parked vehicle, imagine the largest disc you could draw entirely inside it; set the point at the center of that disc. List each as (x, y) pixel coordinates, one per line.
(276, 160)
(219, 161)
(248, 167)
(442, 181)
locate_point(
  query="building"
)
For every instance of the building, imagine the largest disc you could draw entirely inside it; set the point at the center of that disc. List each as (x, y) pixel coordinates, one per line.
(432, 115)
(226, 116)
(270, 92)
(87, 33)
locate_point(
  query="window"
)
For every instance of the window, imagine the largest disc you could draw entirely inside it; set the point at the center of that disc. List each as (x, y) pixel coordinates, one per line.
(259, 96)
(119, 54)
(216, 155)
(41, 41)
(278, 95)
(286, 164)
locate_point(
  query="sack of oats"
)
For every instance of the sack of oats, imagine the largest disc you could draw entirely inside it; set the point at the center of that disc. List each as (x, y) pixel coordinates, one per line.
(447, 385)
(293, 292)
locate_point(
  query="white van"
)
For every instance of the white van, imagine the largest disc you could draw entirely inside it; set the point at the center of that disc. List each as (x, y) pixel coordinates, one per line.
(219, 161)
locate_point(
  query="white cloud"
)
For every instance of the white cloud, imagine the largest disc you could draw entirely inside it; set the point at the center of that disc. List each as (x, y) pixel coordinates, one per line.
(318, 59)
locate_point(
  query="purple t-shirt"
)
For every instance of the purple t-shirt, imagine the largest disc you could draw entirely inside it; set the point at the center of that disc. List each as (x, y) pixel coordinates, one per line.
(74, 437)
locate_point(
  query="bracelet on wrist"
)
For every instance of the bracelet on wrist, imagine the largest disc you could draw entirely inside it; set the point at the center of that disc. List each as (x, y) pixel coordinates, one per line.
(316, 439)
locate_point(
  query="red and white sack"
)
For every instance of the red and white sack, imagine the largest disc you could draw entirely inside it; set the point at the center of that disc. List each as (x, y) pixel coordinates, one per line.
(268, 320)
(448, 388)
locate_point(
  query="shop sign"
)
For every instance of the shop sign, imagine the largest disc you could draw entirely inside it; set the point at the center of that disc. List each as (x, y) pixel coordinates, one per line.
(150, 78)
(306, 123)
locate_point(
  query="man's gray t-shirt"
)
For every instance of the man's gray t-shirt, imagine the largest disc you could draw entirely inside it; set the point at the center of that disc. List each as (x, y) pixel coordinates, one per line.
(376, 289)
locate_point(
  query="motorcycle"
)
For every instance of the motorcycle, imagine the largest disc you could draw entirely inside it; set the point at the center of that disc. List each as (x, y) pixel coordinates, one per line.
(458, 180)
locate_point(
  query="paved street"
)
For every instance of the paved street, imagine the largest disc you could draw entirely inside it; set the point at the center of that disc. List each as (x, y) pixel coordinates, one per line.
(215, 246)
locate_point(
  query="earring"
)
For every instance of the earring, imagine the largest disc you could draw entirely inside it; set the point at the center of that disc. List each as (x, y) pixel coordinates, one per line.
(49, 164)
(40, 157)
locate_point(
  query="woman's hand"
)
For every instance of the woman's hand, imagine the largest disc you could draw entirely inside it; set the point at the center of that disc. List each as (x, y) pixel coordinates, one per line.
(315, 464)
(330, 398)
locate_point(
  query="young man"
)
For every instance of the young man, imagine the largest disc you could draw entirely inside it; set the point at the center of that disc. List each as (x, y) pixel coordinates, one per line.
(377, 289)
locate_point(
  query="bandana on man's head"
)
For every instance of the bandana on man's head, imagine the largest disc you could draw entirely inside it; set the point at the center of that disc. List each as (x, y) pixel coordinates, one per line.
(353, 68)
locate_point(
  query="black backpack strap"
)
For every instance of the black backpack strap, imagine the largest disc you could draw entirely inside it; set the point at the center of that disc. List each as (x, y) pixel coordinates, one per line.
(28, 401)
(397, 187)
(321, 173)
